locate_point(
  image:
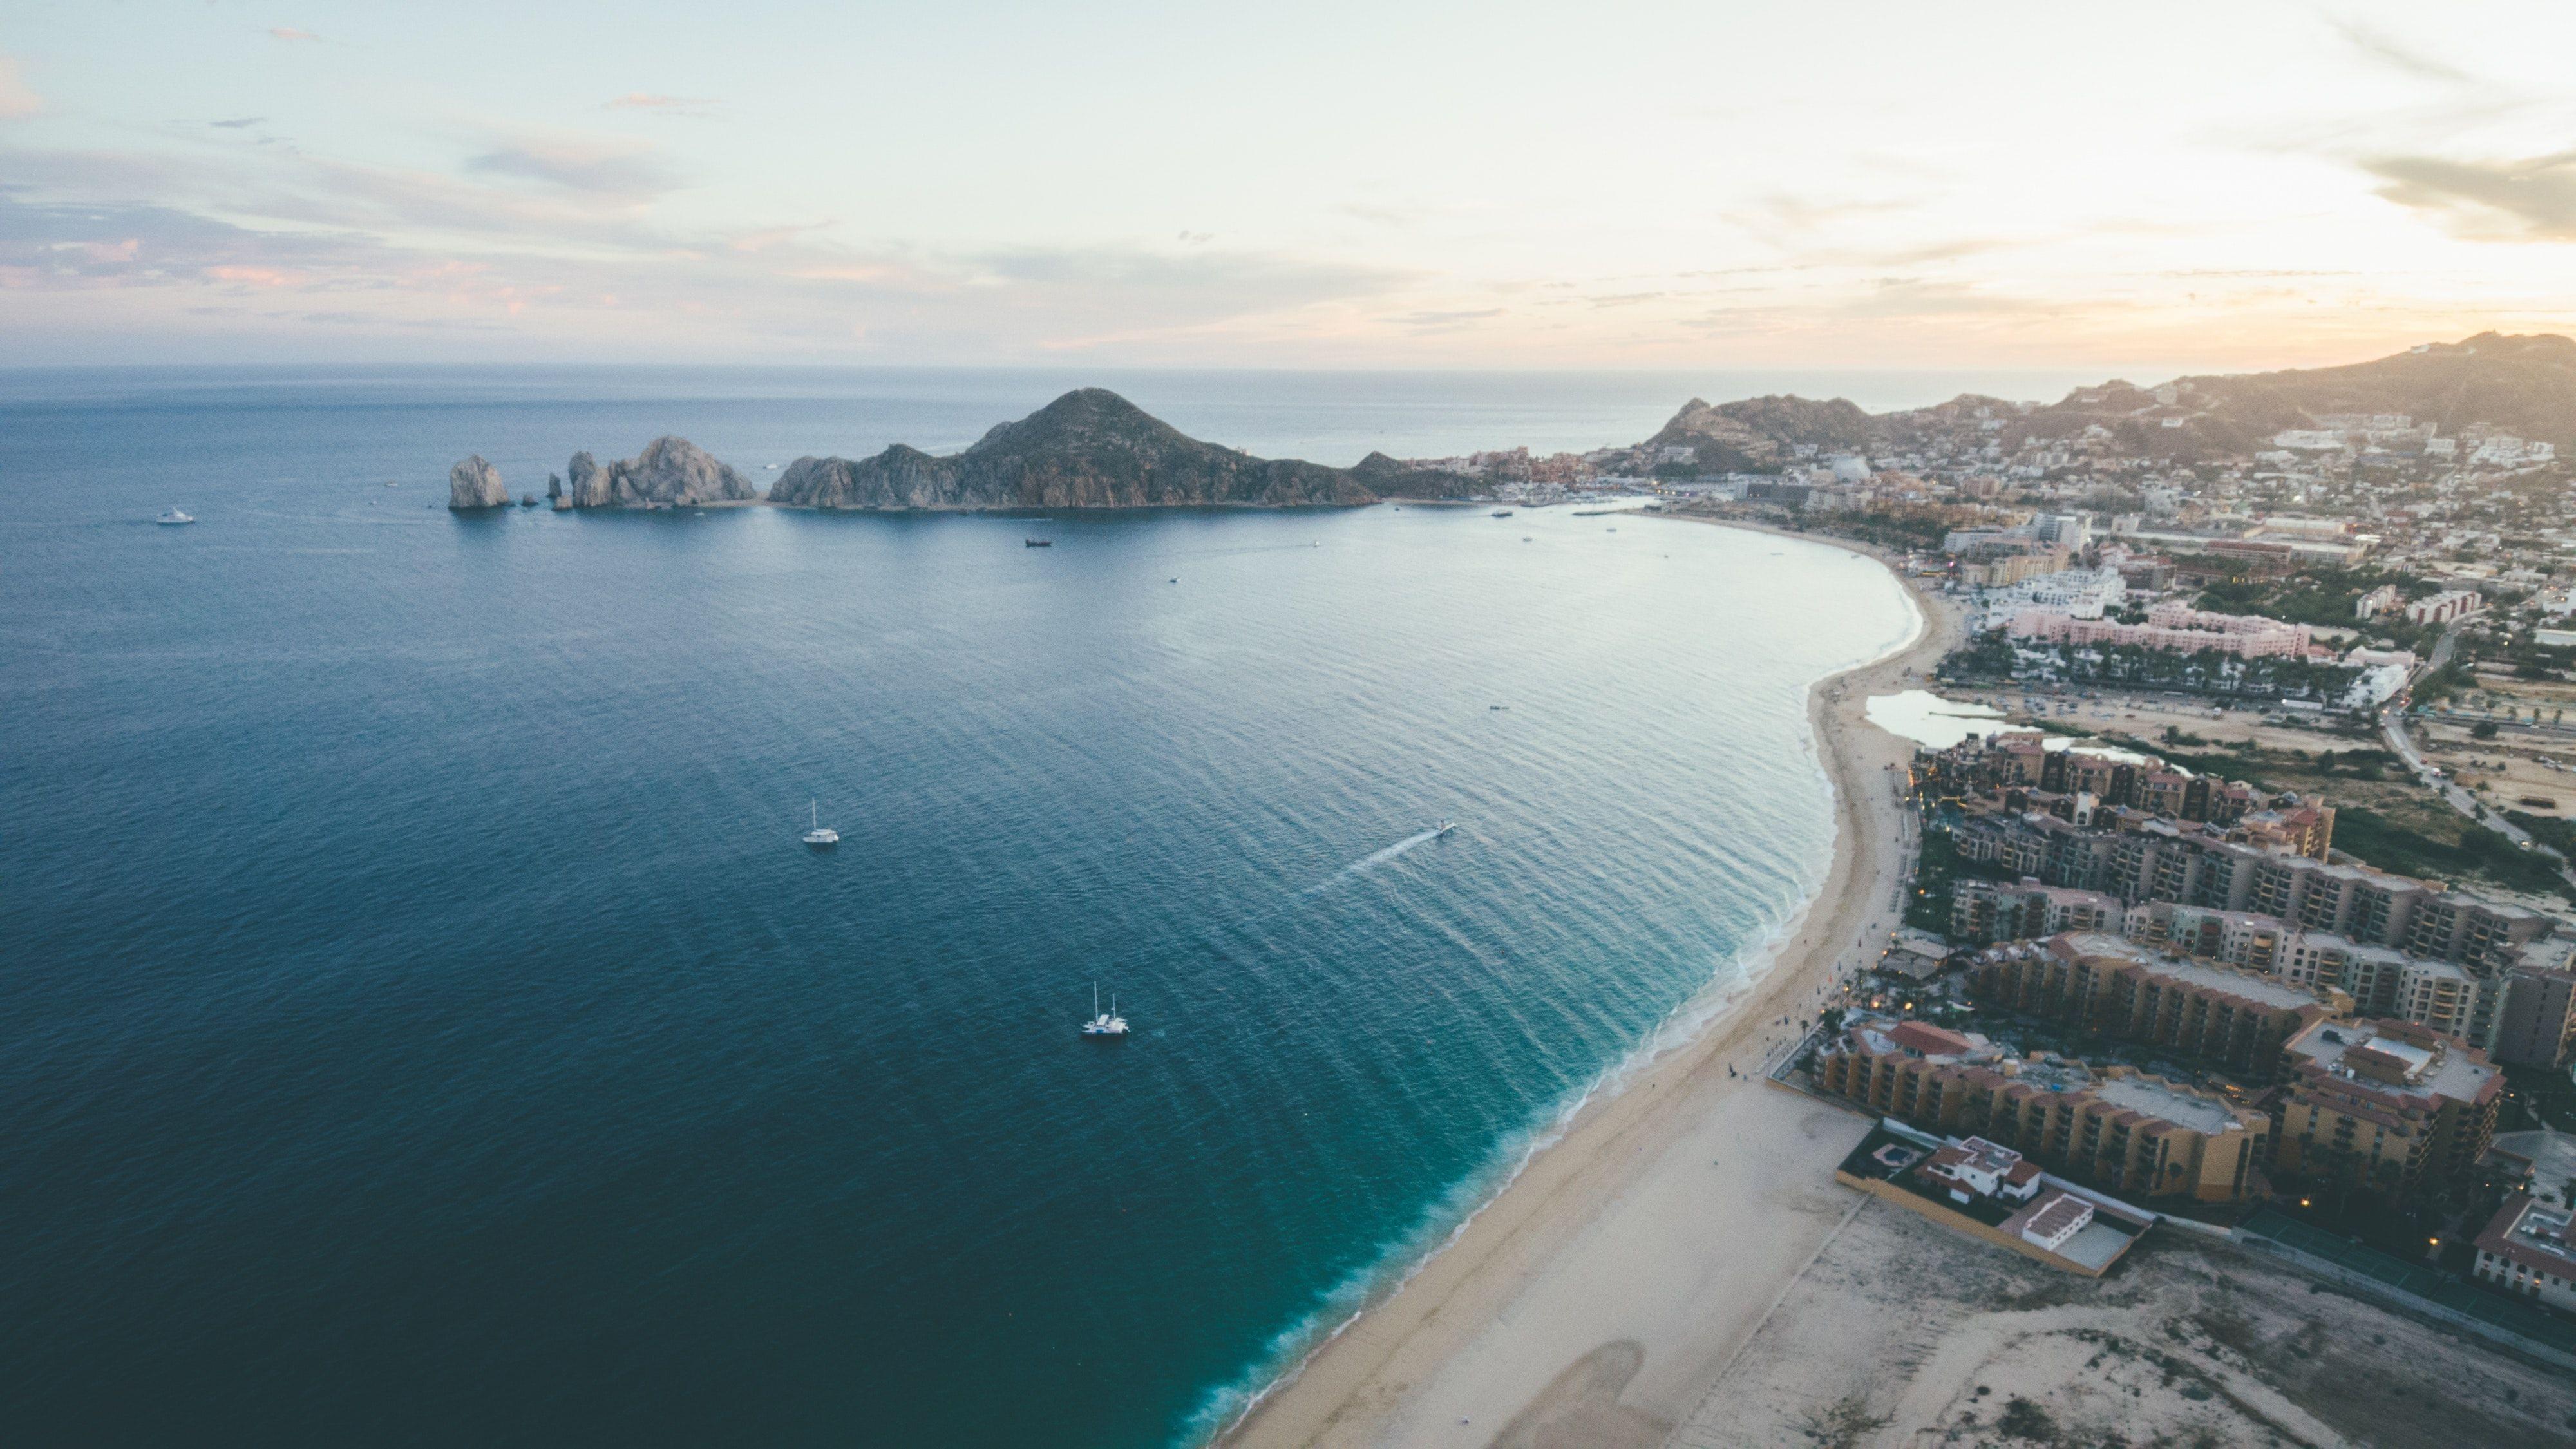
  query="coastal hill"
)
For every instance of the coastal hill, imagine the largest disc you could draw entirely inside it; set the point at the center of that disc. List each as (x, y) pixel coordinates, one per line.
(1090, 448)
(2524, 385)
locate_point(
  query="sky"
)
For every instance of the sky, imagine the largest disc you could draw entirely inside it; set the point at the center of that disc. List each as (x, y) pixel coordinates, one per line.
(2146, 190)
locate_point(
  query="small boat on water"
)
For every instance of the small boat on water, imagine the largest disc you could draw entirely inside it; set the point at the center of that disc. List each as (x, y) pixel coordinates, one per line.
(1104, 1023)
(1502, 513)
(1444, 827)
(1037, 543)
(821, 834)
(174, 516)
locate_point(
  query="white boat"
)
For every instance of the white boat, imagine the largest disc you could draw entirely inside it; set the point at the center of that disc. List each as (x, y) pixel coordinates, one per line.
(821, 834)
(174, 516)
(1104, 1023)
(1445, 826)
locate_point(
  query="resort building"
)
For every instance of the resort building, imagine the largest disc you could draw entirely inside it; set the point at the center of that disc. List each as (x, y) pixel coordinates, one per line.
(2525, 1250)
(2536, 1026)
(1983, 912)
(2105, 984)
(2175, 628)
(2119, 1129)
(2388, 1106)
(2244, 939)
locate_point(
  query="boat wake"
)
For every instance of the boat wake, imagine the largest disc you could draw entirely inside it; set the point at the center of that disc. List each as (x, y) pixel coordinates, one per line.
(1368, 863)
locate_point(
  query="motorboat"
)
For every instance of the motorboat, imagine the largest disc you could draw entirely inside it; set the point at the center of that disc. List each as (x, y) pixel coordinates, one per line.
(174, 516)
(1037, 543)
(1502, 513)
(821, 834)
(1444, 827)
(1104, 1023)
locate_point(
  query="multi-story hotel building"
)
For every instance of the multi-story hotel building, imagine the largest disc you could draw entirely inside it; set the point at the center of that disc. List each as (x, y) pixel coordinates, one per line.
(2100, 982)
(2386, 1106)
(2119, 1129)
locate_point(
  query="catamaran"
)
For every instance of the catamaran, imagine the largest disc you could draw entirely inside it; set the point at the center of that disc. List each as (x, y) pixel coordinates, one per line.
(1104, 1023)
(821, 834)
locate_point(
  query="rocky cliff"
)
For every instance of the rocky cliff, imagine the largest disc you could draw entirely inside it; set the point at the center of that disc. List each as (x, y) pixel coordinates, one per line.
(671, 472)
(476, 484)
(1088, 449)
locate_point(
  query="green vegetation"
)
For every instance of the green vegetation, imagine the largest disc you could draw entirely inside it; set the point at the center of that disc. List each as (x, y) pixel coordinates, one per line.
(1928, 909)
(2480, 853)
(1914, 528)
(2205, 672)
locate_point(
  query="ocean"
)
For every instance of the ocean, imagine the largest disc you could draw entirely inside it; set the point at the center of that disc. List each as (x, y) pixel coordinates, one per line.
(419, 1022)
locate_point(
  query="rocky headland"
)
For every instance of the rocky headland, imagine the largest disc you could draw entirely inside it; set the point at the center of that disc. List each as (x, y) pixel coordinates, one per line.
(474, 483)
(670, 473)
(1090, 448)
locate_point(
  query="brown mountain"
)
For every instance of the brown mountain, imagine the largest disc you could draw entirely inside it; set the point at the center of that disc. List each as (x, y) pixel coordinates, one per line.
(1088, 449)
(2524, 385)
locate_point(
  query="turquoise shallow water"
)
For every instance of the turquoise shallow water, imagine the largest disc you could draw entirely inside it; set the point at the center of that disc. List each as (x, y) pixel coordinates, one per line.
(420, 1024)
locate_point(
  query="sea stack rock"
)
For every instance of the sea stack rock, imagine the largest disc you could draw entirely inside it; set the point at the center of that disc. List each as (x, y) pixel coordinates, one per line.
(476, 484)
(671, 473)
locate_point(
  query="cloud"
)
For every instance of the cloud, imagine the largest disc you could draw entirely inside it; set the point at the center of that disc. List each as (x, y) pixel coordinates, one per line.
(1447, 321)
(16, 99)
(609, 169)
(665, 105)
(289, 32)
(2527, 200)
(2399, 56)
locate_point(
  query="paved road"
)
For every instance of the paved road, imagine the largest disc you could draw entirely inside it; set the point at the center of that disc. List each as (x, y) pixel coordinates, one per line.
(2392, 727)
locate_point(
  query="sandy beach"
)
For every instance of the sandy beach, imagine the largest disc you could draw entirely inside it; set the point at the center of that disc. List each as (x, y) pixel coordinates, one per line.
(1601, 1294)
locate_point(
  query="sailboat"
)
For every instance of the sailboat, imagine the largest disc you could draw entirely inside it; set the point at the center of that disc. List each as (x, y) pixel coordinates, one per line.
(1104, 1023)
(821, 834)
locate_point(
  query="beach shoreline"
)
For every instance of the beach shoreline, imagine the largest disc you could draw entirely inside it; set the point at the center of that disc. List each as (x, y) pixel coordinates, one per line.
(1607, 1283)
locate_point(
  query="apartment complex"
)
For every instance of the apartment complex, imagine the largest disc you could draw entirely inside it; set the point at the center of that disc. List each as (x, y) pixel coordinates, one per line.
(1984, 912)
(2119, 1129)
(2103, 983)
(2176, 628)
(2384, 1105)
(2524, 1013)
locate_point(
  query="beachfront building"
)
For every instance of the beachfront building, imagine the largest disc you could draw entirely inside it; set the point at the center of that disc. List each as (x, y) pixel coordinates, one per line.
(2117, 1129)
(2525, 1250)
(2171, 627)
(2384, 1106)
(2102, 983)
(1983, 912)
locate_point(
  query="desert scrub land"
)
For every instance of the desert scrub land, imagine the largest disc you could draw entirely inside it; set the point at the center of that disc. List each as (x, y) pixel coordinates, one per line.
(1902, 1334)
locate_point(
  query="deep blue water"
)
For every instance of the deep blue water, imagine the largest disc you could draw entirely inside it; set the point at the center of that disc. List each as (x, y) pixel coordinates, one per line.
(419, 1024)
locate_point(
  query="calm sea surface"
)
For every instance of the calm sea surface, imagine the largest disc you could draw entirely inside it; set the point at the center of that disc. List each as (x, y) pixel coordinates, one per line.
(420, 1024)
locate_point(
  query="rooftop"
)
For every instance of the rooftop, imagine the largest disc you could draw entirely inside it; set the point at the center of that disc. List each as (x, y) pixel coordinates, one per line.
(2242, 985)
(2528, 1231)
(2457, 1073)
(2159, 1099)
